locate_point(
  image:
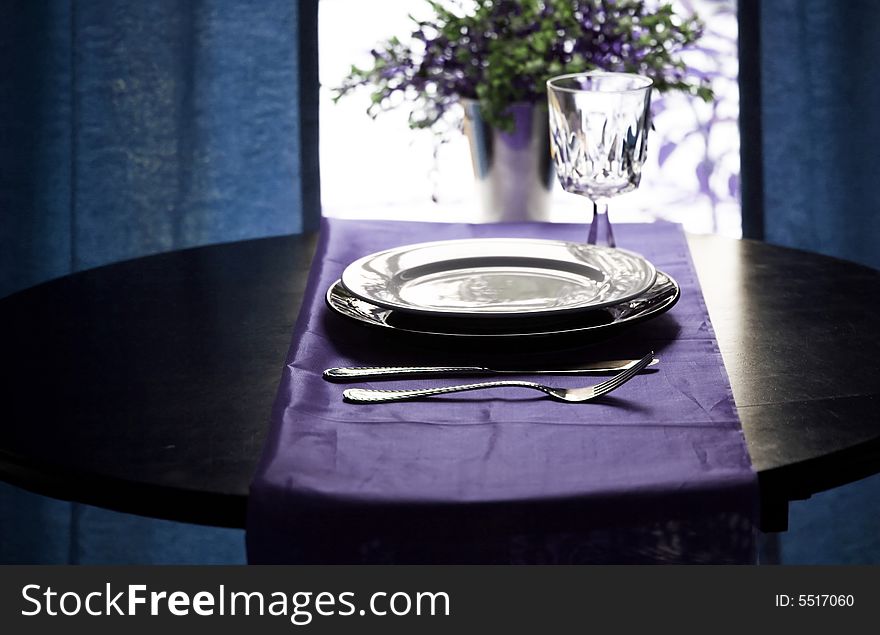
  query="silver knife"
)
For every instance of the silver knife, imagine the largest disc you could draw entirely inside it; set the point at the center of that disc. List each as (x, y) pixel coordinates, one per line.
(370, 372)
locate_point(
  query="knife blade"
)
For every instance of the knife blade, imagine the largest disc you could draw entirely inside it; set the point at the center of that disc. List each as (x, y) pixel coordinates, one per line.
(351, 373)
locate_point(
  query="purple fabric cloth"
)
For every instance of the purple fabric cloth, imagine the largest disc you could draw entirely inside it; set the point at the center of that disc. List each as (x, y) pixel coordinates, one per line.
(463, 477)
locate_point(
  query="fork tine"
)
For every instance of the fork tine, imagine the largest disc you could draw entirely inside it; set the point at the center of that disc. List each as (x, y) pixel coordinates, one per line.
(634, 370)
(626, 374)
(621, 378)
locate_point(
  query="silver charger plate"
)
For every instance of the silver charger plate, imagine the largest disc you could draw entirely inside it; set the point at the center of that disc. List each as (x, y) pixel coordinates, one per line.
(498, 277)
(661, 297)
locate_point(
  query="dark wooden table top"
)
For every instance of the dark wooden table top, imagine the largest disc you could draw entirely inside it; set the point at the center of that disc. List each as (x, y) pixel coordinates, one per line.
(146, 386)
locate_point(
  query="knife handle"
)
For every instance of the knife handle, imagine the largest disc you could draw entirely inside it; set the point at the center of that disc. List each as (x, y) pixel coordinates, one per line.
(366, 372)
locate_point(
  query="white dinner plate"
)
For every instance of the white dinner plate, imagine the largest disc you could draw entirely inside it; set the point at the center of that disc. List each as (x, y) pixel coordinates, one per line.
(498, 277)
(661, 297)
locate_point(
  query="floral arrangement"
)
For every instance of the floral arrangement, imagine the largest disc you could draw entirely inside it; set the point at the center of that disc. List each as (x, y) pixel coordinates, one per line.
(501, 52)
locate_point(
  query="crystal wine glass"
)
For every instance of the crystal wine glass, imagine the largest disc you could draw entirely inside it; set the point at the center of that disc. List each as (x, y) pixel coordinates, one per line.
(599, 125)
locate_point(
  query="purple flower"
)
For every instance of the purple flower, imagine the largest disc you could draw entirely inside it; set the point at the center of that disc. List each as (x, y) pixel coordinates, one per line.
(503, 51)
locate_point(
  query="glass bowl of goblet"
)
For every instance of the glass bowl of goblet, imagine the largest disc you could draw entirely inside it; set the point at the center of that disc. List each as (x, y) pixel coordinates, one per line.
(599, 124)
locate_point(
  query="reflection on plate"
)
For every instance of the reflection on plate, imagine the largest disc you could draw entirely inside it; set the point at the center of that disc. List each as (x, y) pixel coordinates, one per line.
(661, 297)
(498, 277)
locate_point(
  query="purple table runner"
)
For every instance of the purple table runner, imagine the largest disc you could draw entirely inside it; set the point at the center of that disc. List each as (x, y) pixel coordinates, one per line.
(503, 475)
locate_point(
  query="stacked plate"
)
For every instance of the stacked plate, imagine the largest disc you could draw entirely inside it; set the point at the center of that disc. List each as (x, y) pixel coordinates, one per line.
(502, 288)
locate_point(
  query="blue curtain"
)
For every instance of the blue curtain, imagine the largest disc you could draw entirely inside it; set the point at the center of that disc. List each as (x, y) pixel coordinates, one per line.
(818, 136)
(810, 141)
(129, 128)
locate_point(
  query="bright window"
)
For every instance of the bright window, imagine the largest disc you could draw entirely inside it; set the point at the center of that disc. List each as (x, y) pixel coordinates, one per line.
(382, 169)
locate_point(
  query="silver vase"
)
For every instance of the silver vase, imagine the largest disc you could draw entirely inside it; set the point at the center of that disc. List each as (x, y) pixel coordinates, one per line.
(513, 170)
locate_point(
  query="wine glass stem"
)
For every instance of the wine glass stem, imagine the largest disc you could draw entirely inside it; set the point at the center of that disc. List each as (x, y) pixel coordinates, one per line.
(600, 228)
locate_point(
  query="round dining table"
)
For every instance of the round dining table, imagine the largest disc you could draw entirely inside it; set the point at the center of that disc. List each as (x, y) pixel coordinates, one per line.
(146, 386)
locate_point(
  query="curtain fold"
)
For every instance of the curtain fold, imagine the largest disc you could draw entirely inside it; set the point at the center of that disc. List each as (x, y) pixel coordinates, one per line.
(810, 140)
(818, 130)
(130, 128)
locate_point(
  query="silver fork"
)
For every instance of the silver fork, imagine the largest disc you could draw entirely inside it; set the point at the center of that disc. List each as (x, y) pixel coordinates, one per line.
(571, 395)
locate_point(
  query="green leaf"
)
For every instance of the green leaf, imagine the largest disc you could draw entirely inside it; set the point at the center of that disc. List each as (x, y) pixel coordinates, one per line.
(479, 49)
